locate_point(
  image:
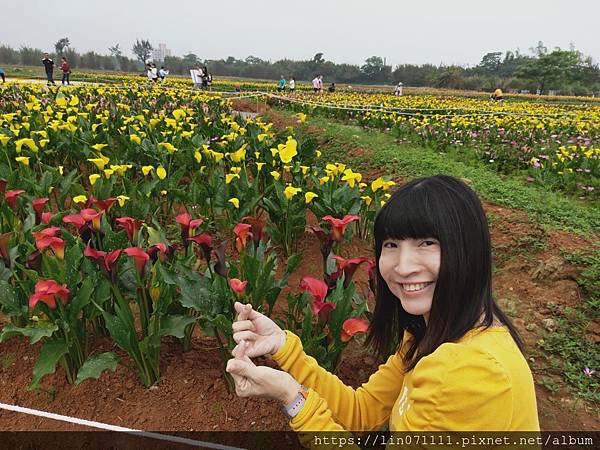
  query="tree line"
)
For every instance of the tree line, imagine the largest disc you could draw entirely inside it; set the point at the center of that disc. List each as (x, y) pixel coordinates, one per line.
(567, 72)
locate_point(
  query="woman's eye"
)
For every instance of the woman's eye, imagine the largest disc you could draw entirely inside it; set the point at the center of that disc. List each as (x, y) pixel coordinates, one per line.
(389, 245)
(428, 242)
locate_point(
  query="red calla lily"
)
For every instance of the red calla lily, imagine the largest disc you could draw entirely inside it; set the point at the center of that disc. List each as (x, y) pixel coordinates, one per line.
(131, 226)
(46, 232)
(75, 219)
(237, 285)
(352, 326)
(348, 267)
(338, 226)
(108, 260)
(91, 215)
(105, 204)
(38, 207)
(258, 227)
(46, 292)
(187, 226)
(318, 290)
(46, 217)
(34, 261)
(11, 198)
(159, 249)
(55, 243)
(140, 258)
(242, 231)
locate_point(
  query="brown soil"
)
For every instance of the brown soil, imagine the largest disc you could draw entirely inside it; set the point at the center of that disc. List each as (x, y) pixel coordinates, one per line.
(192, 394)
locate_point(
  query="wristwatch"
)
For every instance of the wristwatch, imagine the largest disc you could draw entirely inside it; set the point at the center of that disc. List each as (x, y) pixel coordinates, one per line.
(294, 407)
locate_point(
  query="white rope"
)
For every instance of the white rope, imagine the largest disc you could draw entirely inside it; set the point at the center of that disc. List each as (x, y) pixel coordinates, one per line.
(104, 426)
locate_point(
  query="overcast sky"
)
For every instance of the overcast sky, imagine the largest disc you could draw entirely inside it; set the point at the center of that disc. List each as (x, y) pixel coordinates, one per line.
(434, 31)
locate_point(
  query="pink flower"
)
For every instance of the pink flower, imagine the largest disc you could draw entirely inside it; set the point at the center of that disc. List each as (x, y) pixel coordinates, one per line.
(338, 226)
(238, 286)
(46, 292)
(352, 326)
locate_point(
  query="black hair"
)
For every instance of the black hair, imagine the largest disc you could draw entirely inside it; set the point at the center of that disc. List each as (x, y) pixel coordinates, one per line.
(444, 208)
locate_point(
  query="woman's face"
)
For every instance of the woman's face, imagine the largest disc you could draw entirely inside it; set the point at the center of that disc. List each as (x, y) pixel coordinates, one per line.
(410, 268)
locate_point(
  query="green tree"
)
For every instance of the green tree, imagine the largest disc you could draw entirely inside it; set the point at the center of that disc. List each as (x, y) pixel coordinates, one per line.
(142, 49)
(318, 58)
(490, 63)
(551, 69)
(61, 44)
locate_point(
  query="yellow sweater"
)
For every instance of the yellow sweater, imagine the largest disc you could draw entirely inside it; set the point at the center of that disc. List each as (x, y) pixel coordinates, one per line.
(480, 383)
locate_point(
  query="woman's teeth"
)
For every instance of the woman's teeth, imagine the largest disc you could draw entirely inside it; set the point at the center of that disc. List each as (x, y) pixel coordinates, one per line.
(415, 286)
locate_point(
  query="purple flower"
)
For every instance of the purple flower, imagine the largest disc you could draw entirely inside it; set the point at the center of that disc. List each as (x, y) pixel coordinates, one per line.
(588, 372)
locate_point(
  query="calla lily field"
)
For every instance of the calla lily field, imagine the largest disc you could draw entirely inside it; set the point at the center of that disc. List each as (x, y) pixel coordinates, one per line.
(143, 214)
(134, 215)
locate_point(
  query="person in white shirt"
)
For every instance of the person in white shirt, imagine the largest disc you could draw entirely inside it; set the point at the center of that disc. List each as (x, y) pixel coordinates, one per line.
(398, 90)
(162, 73)
(292, 84)
(316, 84)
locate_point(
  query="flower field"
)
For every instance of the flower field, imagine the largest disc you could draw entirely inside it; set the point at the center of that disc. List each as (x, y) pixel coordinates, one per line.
(132, 217)
(143, 214)
(554, 144)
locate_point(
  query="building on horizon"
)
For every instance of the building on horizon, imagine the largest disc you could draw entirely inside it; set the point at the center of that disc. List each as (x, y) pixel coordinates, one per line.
(159, 54)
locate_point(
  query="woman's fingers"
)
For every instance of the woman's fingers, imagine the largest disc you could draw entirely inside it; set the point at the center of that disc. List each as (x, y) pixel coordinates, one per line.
(242, 325)
(243, 310)
(244, 335)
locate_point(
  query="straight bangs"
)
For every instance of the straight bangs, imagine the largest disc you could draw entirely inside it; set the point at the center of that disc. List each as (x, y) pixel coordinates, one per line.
(407, 215)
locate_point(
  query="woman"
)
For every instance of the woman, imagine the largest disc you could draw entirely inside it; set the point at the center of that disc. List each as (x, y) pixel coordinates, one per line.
(66, 71)
(457, 362)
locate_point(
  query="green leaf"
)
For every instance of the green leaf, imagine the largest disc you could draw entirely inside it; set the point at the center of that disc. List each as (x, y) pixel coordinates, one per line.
(50, 354)
(33, 333)
(73, 258)
(175, 325)
(120, 333)
(81, 299)
(97, 364)
(8, 300)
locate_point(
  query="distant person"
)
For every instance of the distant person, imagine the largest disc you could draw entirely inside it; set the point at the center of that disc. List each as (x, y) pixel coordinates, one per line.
(238, 87)
(49, 68)
(197, 74)
(331, 87)
(205, 76)
(2, 75)
(154, 73)
(398, 90)
(209, 80)
(66, 71)
(281, 84)
(149, 71)
(497, 95)
(320, 84)
(316, 84)
(162, 73)
(292, 84)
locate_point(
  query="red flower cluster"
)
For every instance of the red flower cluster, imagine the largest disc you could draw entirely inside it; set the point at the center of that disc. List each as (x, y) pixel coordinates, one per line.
(46, 292)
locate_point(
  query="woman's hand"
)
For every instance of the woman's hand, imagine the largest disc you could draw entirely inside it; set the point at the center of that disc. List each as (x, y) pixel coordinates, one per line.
(262, 335)
(260, 381)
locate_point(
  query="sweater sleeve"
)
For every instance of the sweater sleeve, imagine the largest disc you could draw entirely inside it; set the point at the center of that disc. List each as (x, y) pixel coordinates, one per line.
(334, 406)
(457, 389)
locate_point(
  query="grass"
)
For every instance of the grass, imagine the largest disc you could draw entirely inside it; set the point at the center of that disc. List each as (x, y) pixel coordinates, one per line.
(568, 350)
